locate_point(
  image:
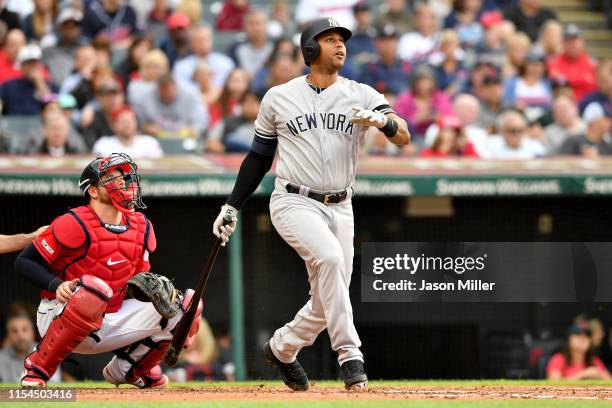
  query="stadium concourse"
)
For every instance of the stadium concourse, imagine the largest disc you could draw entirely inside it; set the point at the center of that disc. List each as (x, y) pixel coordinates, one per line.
(509, 103)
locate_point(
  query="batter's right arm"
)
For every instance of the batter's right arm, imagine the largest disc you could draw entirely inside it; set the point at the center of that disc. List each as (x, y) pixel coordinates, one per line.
(252, 171)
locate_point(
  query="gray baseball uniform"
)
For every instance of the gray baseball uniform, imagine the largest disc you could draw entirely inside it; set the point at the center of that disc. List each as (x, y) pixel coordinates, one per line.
(317, 151)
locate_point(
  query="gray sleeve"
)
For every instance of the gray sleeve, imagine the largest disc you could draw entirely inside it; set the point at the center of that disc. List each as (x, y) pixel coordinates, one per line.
(374, 100)
(265, 124)
(266, 138)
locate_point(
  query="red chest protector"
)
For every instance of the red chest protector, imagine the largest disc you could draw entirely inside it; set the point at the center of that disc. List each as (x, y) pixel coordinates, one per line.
(113, 255)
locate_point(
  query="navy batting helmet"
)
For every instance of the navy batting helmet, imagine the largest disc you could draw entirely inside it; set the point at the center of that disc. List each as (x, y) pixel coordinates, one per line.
(310, 46)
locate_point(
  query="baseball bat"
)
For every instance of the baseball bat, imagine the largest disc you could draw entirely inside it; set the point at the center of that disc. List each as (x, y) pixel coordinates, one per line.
(183, 326)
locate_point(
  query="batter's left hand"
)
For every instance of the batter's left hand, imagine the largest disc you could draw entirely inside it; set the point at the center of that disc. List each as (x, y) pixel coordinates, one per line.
(366, 117)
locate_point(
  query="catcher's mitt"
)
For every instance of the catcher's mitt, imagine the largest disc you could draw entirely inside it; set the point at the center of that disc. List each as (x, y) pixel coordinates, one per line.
(157, 289)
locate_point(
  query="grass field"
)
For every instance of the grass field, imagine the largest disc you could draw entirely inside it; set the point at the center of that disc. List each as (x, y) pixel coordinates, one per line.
(329, 394)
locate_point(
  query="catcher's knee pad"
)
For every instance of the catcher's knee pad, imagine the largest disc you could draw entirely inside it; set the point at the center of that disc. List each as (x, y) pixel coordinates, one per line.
(82, 315)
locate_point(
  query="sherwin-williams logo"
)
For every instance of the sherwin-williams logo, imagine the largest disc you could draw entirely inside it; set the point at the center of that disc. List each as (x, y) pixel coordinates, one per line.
(47, 246)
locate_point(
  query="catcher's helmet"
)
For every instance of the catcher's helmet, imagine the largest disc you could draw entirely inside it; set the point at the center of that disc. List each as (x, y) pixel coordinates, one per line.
(124, 193)
(308, 43)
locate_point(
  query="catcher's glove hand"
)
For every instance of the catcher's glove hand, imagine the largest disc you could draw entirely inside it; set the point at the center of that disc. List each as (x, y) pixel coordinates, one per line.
(157, 289)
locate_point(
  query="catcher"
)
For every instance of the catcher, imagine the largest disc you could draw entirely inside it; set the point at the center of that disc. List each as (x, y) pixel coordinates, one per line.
(97, 295)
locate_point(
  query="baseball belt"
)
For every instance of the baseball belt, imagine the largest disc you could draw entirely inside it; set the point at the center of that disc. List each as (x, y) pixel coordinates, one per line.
(329, 198)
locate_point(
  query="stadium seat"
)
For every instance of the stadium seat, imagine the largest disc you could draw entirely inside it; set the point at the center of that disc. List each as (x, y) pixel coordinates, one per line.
(20, 132)
(178, 146)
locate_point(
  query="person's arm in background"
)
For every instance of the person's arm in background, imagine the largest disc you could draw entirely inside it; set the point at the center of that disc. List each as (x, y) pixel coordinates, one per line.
(12, 243)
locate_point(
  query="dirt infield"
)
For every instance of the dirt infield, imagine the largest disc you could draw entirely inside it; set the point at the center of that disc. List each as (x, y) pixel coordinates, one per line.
(326, 393)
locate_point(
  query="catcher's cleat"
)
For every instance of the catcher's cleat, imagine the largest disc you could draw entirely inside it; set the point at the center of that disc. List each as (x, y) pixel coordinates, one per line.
(293, 374)
(33, 376)
(153, 378)
(354, 375)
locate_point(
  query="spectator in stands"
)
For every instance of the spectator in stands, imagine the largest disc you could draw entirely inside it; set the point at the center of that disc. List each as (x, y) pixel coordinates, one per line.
(172, 110)
(176, 44)
(28, 94)
(235, 87)
(281, 68)
(597, 140)
(450, 72)
(253, 53)
(466, 109)
(567, 123)
(129, 68)
(516, 52)
(577, 360)
(497, 33)
(601, 345)
(550, 40)
(450, 140)
(8, 17)
(84, 91)
(198, 358)
(84, 64)
(422, 103)
(235, 134)
(201, 43)
(280, 24)
(513, 141)
(203, 78)
(530, 90)
(20, 342)
(157, 19)
(56, 138)
(491, 102)
(528, 16)
(192, 9)
(396, 13)
(15, 40)
(224, 367)
(418, 44)
(97, 118)
(387, 73)
(465, 21)
(603, 94)
(284, 47)
(232, 15)
(103, 48)
(361, 47)
(574, 64)
(341, 10)
(66, 105)
(125, 138)
(153, 66)
(60, 57)
(113, 20)
(38, 25)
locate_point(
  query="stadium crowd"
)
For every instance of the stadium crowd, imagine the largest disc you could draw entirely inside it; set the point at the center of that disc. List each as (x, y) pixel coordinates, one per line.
(496, 79)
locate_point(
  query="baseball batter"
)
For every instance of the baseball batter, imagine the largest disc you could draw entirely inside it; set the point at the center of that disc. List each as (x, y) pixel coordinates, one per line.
(317, 123)
(97, 296)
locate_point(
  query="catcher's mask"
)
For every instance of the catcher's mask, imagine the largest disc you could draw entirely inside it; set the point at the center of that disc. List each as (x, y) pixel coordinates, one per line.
(123, 188)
